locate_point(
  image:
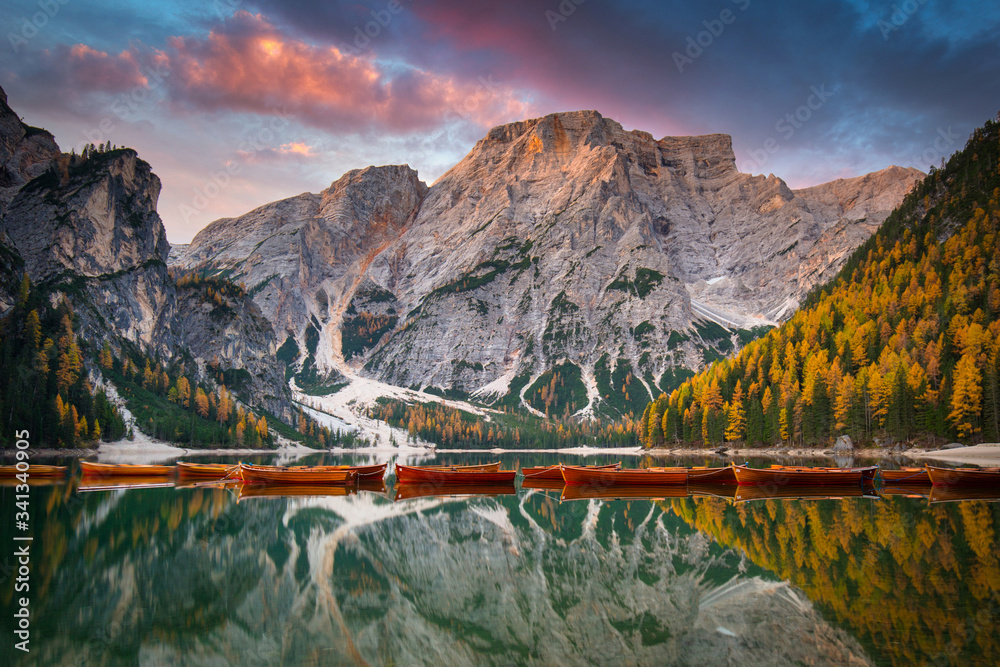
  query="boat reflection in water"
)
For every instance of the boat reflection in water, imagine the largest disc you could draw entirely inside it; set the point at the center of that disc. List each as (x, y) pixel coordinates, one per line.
(124, 482)
(245, 491)
(623, 492)
(427, 490)
(487, 575)
(825, 492)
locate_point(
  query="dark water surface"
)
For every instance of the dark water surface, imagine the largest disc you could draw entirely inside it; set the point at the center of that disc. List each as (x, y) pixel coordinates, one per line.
(214, 576)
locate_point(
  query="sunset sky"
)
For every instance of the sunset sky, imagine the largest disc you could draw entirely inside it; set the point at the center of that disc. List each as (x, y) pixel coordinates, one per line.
(237, 103)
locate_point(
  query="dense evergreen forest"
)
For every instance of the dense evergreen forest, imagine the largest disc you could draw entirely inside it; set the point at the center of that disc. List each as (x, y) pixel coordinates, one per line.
(903, 344)
(48, 376)
(44, 387)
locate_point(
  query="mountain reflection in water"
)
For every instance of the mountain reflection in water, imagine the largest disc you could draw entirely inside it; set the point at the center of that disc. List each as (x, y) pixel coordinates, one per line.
(192, 576)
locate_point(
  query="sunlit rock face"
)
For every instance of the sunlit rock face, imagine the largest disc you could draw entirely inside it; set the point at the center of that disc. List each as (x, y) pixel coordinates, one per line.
(193, 577)
(92, 225)
(558, 239)
(87, 230)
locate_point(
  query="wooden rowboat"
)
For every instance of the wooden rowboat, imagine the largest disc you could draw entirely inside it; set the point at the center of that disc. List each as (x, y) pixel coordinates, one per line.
(555, 472)
(803, 476)
(964, 476)
(868, 473)
(629, 477)
(296, 475)
(483, 467)
(33, 471)
(366, 472)
(205, 470)
(905, 476)
(706, 475)
(622, 492)
(437, 475)
(123, 469)
(409, 491)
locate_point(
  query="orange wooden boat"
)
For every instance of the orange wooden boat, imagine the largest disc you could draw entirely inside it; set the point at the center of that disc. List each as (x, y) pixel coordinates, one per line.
(296, 475)
(409, 491)
(749, 492)
(365, 472)
(622, 492)
(123, 469)
(706, 475)
(124, 482)
(33, 471)
(555, 472)
(803, 476)
(206, 470)
(905, 476)
(483, 467)
(964, 476)
(628, 477)
(438, 475)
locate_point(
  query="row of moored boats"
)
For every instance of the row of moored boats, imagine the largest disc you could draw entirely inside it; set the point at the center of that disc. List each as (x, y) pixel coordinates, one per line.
(490, 474)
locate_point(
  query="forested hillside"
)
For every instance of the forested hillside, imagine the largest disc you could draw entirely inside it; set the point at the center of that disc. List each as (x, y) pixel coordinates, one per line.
(904, 343)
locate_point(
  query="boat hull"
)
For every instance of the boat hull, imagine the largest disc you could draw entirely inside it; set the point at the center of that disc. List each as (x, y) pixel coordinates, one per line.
(376, 472)
(988, 477)
(554, 473)
(484, 467)
(298, 475)
(723, 475)
(428, 475)
(798, 476)
(205, 470)
(630, 477)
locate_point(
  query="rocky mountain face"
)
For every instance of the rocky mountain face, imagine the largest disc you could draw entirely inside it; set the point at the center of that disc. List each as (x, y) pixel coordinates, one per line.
(25, 152)
(91, 229)
(88, 229)
(560, 251)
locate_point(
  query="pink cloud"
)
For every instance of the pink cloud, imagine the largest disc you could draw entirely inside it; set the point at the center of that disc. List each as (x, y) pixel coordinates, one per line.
(297, 148)
(82, 68)
(247, 64)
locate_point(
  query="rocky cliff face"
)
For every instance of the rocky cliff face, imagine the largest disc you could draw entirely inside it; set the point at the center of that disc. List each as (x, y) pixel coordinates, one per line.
(88, 229)
(562, 242)
(25, 152)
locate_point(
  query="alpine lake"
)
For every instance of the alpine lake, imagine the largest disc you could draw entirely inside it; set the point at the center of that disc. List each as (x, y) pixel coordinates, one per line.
(220, 575)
